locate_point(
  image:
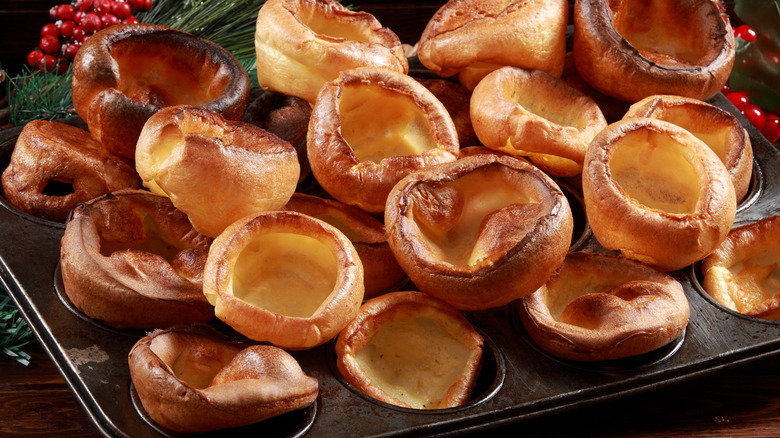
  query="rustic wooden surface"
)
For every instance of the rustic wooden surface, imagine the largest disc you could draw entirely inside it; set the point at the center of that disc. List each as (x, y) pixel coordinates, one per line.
(35, 402)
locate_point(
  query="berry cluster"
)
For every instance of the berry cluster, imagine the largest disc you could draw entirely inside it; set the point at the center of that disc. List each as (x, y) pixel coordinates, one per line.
(768, 122)
(72, 23)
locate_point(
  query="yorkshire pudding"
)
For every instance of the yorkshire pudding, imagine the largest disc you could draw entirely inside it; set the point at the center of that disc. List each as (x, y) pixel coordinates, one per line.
(718, 128)
(192, 379)
(285, 278)
(131, 260)
(741, 273)
(215, 170)
(474, 38)
(302, 44)
(598, 307)
(56, 166)
(530, 113)
(411, 350)
(370, 128)
(656, 193)
(125, 73)
(631, 49)
(287, 117)
(380, 269)
(479, 232)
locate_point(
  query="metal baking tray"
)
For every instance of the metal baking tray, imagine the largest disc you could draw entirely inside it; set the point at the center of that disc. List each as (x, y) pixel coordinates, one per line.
(518, 381)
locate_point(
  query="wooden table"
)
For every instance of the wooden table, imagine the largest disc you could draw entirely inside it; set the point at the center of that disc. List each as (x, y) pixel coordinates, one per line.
(739, 402)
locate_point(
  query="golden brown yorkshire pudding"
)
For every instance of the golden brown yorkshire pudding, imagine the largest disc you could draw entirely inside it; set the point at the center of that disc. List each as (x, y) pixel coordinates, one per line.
(598, 307)
(192, 379)
(718, 128)
(215, 170)
(530, 113)
(287, 117)
(475, 37)
(302, 44)
(411, 350)
(631, 49)
(370, 128)
(56, 166)
(742, 272)
(656, 193)
(284, 277)
(456, 98)
(131, 260)
(479, 232)
(125, 73)
(381, 271)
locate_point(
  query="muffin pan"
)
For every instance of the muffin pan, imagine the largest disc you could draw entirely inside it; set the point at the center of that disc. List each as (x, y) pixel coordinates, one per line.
(518, 381)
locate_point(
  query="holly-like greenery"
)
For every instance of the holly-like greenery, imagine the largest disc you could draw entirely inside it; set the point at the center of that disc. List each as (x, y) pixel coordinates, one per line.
(14, 331)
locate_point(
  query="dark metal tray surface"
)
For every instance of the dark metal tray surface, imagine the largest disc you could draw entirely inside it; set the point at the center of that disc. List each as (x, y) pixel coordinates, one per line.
(518, 381)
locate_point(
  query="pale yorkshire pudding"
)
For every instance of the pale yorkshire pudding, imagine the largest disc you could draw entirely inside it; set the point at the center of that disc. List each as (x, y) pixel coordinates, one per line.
(56, 166)
(287, 117)
(411, 350)
(125, 73)
(215, 170)
(598, 307)
(284, 277)
(131, 260)
(456, 98)
(718, 128)
(380, 269)
(475, 37)
(479, 232)
(302, 44)
(656, 193)
(741, 273)
(631, 49)
(370, 128)
(530, 113)
(192, 379)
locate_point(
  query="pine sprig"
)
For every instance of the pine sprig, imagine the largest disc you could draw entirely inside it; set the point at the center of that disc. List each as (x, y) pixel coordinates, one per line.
(40, 95)
(14, 331)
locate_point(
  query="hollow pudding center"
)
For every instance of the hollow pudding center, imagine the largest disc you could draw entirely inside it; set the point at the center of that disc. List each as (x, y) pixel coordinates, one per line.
(378, 123)
(661, 30)
(285, 273)
(414, 360)
(657, 171)
(716, 136)
(463, 227)
(321, 19)
(194, 360)
(156, 73)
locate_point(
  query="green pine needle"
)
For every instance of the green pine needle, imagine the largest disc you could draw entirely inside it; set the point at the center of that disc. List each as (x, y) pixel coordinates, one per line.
(14, 331)
(39, 95)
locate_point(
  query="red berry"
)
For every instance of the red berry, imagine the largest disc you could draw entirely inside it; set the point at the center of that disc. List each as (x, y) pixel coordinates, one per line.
(69, 51)
(62, 66)
(739, 99)
(50, 29)
(84, 5)
(745, 32)
(130, 20)
(147, 6)
(136, 5)
(109, 20)
(53, 13)
(103, 6)
(65, 12)
(771, 127)
(34, 57)
(121, 9)
(66, 28)
(50, 44)
(78, 16)
(91, 23)
(755, 115)
(47, 63)
(78, 34)
(726, 89)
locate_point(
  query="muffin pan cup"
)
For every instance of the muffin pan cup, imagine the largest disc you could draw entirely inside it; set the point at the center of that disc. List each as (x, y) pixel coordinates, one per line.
(520, 381)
